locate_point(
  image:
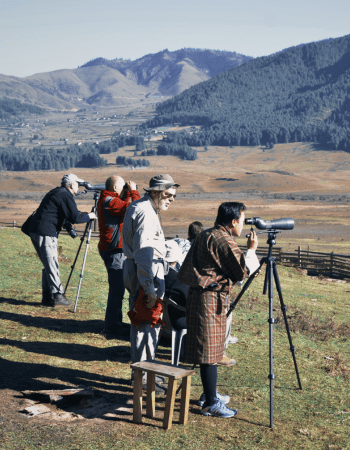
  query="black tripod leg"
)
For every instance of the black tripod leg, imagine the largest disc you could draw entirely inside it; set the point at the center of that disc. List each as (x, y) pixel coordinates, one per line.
(269, 284)
(284, 309)
(76, 257)
(245, 287)
(239, 296)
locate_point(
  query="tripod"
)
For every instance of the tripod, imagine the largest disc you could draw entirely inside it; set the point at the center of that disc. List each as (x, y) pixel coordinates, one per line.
(270, 275)
(87, 232)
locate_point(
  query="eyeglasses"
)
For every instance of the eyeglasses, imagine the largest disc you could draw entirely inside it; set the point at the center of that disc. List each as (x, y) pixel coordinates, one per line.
(168, 195)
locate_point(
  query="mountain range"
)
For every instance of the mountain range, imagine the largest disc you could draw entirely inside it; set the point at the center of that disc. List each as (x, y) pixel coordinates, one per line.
(300, 94)
(105, 82)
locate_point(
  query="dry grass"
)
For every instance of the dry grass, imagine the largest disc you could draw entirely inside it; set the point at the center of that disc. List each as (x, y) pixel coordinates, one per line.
(303, 321)
(45, 348)
(335, 367)
(261, 184)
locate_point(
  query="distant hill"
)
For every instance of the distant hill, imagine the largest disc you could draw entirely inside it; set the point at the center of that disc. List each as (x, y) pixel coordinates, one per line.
(300, 94)
(117, 82)
(170, 73)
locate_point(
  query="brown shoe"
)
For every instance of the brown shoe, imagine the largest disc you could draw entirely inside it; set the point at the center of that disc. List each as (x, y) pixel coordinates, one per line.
(226, 361)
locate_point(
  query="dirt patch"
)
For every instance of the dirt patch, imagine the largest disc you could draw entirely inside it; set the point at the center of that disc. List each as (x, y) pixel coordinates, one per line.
(77, 405)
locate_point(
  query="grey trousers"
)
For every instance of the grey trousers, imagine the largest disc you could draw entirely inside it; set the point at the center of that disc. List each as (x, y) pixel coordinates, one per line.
(46, 248)
(144, 338)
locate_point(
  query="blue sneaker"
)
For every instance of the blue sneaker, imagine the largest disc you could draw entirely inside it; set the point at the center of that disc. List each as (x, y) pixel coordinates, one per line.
(219, 409)
(223, 398)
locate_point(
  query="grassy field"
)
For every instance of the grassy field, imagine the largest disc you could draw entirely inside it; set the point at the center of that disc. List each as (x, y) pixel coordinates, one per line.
(45, 348)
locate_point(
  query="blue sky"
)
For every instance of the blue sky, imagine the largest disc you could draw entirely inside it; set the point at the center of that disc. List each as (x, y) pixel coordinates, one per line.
(46, 35)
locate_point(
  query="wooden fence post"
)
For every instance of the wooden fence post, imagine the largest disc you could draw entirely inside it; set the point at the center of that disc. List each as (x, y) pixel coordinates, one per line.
(14, 224)
(332, 263)
(299, 255)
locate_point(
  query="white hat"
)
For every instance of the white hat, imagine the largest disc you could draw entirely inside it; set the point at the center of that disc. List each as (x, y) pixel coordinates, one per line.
(71, 178)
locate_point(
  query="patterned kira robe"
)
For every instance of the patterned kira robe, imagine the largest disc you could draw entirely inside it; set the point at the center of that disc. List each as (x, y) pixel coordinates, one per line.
(214, 258)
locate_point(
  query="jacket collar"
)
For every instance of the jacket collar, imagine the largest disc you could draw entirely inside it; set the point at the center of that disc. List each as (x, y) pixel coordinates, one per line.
(148, 197)
(223, 228)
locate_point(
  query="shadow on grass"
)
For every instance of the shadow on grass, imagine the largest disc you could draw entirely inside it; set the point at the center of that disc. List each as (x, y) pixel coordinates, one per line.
(258, 424)
(15, 302)
(76, 352)
(19, 376)
(49, 323)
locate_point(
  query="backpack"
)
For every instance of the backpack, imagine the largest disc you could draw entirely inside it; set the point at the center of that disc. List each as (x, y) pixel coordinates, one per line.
(25, 226)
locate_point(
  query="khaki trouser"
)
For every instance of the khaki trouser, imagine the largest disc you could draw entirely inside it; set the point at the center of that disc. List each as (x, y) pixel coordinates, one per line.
(144, 338)
(46, 248)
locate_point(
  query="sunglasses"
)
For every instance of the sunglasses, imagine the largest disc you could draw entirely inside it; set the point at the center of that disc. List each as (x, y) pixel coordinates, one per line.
(168, 195)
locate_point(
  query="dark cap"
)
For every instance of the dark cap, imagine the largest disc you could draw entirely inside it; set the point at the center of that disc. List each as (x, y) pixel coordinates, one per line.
(161, 183)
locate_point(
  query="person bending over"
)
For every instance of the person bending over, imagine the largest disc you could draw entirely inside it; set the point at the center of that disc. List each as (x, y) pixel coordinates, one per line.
(57, 206)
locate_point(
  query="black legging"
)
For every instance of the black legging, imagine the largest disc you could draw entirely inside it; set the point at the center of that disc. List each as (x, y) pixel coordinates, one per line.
(209, 376)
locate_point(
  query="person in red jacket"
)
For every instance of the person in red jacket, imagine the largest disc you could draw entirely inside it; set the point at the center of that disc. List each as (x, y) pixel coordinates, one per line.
(111, 208)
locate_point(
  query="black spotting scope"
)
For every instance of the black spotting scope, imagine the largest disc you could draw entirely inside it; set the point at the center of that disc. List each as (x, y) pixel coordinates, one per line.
(278, 224)
(90, 187)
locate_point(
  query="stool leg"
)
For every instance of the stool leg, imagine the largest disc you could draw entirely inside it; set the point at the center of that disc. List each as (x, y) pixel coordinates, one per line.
(169, 404)
(137, 396)
(185, 399)
(151, 395)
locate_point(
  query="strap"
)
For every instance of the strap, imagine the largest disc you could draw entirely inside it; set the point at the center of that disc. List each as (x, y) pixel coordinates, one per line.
(112, 222)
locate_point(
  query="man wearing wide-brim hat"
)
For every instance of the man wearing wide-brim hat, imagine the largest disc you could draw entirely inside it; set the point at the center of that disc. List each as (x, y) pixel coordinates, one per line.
(144, 267)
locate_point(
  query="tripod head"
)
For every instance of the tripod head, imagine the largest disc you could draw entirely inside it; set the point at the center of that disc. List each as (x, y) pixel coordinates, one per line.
(269, 232)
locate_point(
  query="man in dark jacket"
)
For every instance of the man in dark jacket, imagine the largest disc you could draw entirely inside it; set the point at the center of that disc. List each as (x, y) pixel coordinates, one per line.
(111, 209)
(57, 206)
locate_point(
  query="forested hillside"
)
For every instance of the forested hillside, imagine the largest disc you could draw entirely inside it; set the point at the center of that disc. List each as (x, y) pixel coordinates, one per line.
(38, 158)
(302, 94)
(84, 155)
(11, 110)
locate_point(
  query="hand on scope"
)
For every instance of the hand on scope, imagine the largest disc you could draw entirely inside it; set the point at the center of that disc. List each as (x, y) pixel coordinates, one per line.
(151, 300)
(252, 242)
(131, 185)
(92, 216)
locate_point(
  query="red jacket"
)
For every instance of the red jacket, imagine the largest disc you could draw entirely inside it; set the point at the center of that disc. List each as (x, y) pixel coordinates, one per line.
(110, 212)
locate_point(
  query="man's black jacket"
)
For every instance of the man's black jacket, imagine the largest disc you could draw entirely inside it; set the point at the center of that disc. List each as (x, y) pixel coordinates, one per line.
(56, 206)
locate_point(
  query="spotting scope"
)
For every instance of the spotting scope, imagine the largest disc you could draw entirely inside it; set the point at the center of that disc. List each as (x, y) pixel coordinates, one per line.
(278, 224)
(90, 187)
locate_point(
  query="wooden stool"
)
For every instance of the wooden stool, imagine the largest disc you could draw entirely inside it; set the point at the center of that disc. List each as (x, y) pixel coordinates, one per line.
(152, 367)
